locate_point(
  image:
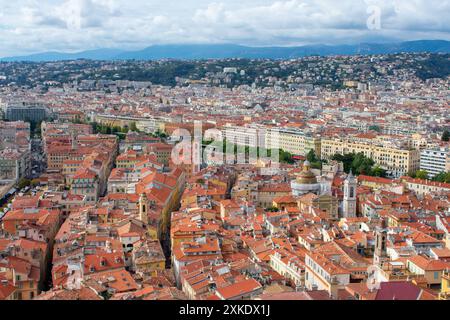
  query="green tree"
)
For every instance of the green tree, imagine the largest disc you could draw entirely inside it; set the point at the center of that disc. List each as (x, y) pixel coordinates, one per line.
(412, 174)
(362, 165)
(442, 177)
(421, 174)
(116, 129)
(446, 136)
(346, 159)
(35, 182)
(378, 172)
(159, 134)
(94, 126)
(23, 183)
(35, 128)
(311, 156)
(133, 127)
(359, 164)
(285, 156)
(78, 120)
(316, 163)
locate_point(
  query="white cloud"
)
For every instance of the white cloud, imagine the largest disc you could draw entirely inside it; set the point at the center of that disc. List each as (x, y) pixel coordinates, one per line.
(70, 25)
(211, 14)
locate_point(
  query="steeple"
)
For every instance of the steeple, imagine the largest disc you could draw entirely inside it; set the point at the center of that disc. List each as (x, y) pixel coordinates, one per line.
(143, 208)
(350, 175)
(74, 141)
(349, 203)
(380, 254)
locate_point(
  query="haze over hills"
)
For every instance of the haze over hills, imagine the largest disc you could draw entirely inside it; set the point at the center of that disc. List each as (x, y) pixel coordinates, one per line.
(221, 51)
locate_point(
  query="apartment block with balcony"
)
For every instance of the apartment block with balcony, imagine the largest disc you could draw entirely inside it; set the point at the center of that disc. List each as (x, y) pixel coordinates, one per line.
(397, 160)
(435, 161)
(323, 273)
(293, 141)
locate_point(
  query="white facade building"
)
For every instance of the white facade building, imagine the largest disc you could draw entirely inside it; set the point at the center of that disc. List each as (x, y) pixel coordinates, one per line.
(435, 161)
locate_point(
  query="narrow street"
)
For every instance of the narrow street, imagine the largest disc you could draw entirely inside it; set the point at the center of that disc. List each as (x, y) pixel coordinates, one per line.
(38, 162)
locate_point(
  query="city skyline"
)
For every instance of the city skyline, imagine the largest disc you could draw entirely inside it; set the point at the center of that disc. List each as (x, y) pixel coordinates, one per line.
(78, 25)
(204, 151)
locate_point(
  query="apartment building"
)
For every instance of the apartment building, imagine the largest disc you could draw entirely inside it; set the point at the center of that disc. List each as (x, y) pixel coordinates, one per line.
(252, 136)
(292, 141)
(162, 151)
(398, 161)
(435, 161)
(424, 187)
(15, 154)
(11, 131)
(146, 124)
(289, 266)
(325, 274)
(27, 112)
(86, 183)
(14, 165)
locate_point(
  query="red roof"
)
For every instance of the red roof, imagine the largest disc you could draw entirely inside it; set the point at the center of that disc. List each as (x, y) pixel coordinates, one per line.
(238, 289)
(374, 179)
(397, 290)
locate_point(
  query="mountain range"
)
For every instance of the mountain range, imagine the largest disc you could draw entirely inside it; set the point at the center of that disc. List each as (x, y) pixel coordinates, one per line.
(223, 51)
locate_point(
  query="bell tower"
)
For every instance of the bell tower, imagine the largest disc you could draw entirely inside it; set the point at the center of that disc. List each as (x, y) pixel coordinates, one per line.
(143, 208)
(349, 204)
(380, 254)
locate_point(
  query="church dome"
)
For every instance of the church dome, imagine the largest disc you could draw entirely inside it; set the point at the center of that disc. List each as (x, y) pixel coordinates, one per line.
(306, 176)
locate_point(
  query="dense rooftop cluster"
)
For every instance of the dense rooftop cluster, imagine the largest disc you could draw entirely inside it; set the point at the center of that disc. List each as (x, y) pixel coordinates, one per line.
(96, 204)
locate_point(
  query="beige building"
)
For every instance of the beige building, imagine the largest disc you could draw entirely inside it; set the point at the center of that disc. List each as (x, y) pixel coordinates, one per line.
(326, 203)
(293, 141)
(148, 125)
(325, 274)
(290, 140)
(267, 193)
(432, 270)
(398, 161)
(424, 187)
(289, 266)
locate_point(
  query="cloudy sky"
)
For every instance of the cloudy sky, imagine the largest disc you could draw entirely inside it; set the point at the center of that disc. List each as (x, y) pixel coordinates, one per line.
(29, 26)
